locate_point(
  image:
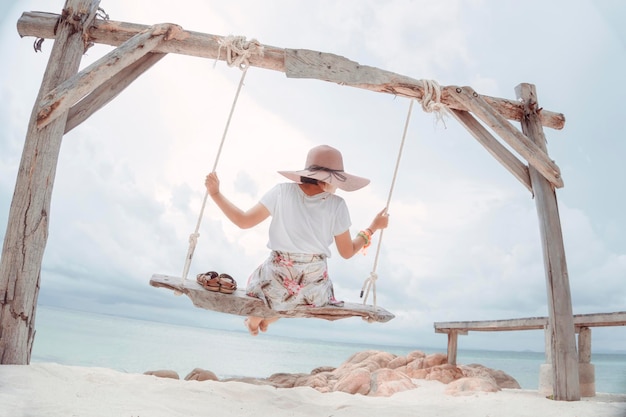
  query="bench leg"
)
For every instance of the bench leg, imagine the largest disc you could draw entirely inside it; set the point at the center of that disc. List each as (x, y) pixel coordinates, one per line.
(453, 339)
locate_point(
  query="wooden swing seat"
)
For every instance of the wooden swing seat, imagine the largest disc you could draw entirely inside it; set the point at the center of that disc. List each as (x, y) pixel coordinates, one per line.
(240, 304)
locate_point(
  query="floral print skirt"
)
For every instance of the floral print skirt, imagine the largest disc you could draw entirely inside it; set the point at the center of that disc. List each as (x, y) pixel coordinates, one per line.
(286, 280)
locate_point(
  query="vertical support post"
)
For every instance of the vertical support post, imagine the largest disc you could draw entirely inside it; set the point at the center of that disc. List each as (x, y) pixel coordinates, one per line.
(561, 319)
(545, 369)
(586, 370)
(27, 229)
(453, 339)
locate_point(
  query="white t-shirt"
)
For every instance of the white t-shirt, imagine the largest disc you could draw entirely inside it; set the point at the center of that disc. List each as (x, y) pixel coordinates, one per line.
(302, 223)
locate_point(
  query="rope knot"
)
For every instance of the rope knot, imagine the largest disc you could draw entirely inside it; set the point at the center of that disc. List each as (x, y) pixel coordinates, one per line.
(193, 239)
(239, 50)
(369, 284)
(431, 100)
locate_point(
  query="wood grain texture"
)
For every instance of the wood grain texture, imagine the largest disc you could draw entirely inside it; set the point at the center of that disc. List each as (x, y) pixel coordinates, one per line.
(240, 304)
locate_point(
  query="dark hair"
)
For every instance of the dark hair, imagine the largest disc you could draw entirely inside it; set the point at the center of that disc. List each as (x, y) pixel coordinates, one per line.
(307, 180)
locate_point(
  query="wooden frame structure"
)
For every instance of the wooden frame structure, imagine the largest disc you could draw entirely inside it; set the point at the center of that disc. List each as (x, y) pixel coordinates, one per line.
(582, 322)
(68, 97)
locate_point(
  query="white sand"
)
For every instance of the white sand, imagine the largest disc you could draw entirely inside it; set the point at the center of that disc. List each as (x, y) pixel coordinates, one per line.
(53, 390)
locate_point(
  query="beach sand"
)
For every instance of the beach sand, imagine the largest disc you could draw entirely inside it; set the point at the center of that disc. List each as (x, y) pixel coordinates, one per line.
(51, 390)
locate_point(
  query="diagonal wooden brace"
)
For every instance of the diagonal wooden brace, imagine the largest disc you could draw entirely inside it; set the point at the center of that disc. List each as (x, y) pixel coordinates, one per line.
(516, 139)
(69, 92)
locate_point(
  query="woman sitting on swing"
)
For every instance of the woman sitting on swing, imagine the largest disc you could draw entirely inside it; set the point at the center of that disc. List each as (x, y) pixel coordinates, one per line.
(306, 217)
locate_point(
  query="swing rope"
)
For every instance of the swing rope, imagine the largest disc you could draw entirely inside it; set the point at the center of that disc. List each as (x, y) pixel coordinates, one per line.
(431, 103)
(370, 282)
(238, 53)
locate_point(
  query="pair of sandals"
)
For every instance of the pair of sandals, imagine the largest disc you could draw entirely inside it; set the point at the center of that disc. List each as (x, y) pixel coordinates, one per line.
(212, 281)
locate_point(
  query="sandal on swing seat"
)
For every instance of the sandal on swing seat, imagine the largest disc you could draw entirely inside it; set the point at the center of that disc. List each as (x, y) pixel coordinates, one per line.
(227, 284)
(209, 281)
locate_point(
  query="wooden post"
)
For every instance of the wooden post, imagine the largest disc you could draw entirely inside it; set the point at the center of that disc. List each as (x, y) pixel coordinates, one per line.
(584, 345)
(586, 370)
(453, 342)
(561, 319)
(27, 229)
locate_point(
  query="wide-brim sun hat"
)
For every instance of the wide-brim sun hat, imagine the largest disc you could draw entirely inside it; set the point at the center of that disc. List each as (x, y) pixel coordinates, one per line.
(325, 163)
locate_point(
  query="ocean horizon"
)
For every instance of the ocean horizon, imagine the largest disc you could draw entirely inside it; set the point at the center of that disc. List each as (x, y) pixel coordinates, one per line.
(79, 338)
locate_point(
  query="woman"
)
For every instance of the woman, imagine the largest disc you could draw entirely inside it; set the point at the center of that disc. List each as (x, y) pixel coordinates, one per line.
(306, 217)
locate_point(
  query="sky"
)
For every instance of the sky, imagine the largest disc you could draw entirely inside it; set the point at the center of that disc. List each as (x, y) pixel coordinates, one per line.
(463, 241)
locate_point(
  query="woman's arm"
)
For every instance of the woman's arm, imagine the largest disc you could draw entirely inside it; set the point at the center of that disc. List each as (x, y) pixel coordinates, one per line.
(240, 218)
(348, 247)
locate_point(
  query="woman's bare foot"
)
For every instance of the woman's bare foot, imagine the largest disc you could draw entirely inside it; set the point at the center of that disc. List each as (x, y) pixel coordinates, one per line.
(252, 323)
(263, 325)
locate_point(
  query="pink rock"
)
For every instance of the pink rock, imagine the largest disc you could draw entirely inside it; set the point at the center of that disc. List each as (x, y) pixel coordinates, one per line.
(435, 359)
(501, 378)
(468, 386)
(360, 356)
(382, 359)
(444, 373)
(199, 374)
(386, 382)
(369, 359)
(418, 363)
(319, 381)
(417, 373)
(416, 354)
(163, 373)
(378, 373)
(285, 380)
(322, 369)
(356, 382)
(397, 362)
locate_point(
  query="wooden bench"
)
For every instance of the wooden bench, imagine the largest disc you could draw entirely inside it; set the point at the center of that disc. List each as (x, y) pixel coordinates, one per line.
(582, 323)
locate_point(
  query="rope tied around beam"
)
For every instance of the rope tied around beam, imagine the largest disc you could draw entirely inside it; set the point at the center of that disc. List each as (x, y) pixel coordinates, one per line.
(431, 100)
(239, 50)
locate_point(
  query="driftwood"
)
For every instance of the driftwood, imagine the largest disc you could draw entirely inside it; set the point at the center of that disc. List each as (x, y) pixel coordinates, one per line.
(240, 304)
(27, 228)
(135, 41)
(295, 63)
(563, 337)
(535, 155)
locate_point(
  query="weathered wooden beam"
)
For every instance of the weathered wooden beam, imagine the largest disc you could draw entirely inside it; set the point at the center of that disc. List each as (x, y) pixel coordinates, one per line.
(68, 93)
(532, 323)
(564, 357)
(110, 89)
(109, 32)
(529, 150)
(294, 62)
(494, 147)
(27, 228)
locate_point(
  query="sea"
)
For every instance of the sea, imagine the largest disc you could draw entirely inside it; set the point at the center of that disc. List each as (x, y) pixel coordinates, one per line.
(129, 345)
